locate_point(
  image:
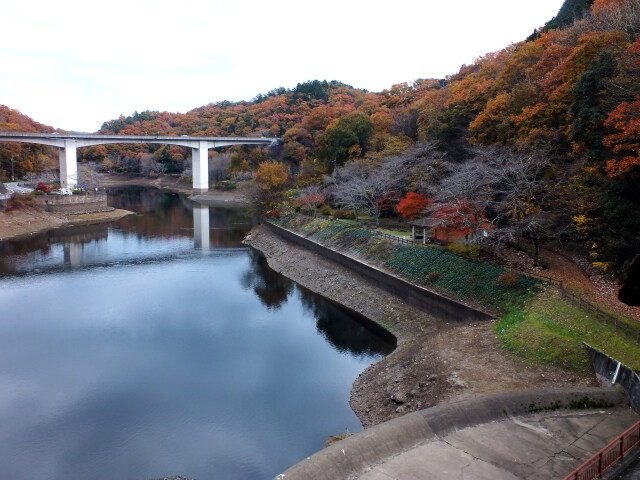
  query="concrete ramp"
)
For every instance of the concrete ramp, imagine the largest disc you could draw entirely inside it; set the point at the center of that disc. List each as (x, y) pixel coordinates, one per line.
(518, 435)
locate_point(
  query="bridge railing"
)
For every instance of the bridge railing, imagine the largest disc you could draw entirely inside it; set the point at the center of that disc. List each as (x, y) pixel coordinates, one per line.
(606, 458)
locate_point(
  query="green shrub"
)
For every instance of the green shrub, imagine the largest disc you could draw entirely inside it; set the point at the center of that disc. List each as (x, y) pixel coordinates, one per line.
(226, 185)
(326, 210)
(543, 262)
(344, 214)
(469, 250)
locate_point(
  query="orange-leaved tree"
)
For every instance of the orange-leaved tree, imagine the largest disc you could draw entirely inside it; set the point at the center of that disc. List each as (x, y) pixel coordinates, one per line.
(624, 121)
(271, 178)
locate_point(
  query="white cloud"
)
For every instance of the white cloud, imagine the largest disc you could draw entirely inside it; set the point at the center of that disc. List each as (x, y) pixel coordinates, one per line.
(74, 66)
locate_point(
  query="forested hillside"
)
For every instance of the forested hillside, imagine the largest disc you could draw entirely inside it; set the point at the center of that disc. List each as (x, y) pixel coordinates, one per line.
(26, 158)
(568, 96)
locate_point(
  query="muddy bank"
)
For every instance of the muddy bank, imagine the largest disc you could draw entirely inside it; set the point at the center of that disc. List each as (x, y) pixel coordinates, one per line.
(25, 222)
(215, 198)
(435, 362)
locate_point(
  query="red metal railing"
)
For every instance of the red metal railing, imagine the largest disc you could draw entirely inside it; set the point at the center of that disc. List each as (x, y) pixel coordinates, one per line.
(608, 456)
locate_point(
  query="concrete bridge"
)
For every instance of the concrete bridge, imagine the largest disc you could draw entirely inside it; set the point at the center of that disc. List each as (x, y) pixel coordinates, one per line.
(69, 143)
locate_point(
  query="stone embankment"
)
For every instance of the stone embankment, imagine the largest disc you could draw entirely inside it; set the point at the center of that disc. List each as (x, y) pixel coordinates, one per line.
(436, 360)
(75, 204)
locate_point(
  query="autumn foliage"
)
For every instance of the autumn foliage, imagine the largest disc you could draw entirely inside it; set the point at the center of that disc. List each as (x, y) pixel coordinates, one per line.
(26, 157)
(412, 205)
(462, 219)
(271, 176)
(572, 90)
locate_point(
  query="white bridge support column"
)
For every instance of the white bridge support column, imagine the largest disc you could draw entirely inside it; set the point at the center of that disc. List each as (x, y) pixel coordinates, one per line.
(200, 167)
(68, 164)
(201, 227)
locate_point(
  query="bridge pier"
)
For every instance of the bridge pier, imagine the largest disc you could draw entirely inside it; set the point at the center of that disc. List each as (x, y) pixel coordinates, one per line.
(69, 143)
(200, 167)
(68, 165)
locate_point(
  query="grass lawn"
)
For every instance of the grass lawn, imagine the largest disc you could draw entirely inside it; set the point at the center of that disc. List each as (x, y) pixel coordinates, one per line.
(585, 296)
(397, 233)
(548, 330)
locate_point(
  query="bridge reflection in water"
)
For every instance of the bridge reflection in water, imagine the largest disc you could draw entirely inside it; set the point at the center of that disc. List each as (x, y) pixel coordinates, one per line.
(84, 247)
(201, 227)
(163, 226)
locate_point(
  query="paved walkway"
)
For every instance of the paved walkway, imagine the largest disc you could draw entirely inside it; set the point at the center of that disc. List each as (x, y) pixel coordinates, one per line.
(14, 188)
(547, 445)
(493, 437)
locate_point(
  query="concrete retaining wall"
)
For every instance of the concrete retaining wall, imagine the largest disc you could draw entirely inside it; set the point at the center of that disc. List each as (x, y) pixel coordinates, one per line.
(605, 368)
(353, 454)
(414, 295)
(76, 204)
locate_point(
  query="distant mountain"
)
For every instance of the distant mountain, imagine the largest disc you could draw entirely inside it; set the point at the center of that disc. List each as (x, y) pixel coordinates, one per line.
(14, 120)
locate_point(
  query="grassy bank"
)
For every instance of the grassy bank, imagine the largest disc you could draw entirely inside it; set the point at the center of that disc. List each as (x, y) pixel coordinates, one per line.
(535, 322)
(435, 268)
(548, 330)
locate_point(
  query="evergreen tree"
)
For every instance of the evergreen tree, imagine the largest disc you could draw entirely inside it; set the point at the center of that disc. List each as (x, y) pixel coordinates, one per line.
(569, 11)
(587, 110)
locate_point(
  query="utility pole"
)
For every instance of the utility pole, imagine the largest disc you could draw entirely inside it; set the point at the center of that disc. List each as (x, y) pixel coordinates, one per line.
(13, 179)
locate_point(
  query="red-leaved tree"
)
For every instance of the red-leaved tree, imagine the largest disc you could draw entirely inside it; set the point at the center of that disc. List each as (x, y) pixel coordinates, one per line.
(412, 205)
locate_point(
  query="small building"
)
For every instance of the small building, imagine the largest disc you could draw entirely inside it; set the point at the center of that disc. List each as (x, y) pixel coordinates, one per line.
(445, 230)
(421, 226)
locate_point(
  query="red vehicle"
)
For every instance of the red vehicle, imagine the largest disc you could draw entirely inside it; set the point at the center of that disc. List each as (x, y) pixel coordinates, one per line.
(42, 187)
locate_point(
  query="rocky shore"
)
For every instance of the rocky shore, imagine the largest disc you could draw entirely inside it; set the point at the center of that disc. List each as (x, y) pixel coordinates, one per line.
(435, 361)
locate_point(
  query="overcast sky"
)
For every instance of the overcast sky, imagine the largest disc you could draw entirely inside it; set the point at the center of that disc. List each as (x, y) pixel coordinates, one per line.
(75, 64)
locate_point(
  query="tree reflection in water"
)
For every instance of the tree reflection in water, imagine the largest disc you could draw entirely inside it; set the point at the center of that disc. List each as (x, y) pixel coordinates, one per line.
(346, 331)
(271, 288)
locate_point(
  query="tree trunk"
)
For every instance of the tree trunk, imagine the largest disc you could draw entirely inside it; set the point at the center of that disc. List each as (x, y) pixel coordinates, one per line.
(536, 251)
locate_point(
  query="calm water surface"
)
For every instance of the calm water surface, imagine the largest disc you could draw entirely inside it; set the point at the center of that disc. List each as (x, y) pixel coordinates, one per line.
(159, 345)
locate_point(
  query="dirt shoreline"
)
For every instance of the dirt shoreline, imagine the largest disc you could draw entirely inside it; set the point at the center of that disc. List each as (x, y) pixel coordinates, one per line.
(435, 362)
(15, 225)
(28, 222)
